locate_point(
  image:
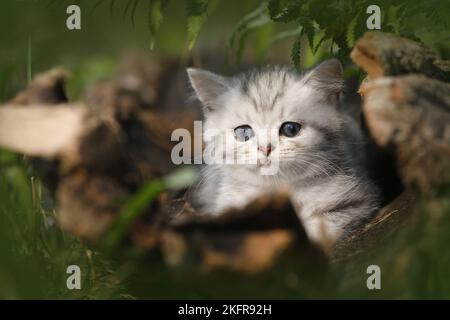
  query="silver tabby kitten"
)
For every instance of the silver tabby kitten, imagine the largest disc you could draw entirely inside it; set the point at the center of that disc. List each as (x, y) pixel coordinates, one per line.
(317, 155)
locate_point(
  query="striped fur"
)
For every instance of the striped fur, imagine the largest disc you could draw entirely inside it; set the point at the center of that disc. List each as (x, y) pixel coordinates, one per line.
(323, 168)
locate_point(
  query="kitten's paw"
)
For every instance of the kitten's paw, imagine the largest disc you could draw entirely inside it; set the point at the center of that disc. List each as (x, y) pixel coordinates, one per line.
(322, 231)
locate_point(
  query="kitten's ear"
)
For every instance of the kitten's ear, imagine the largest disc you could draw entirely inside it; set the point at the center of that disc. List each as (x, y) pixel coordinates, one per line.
(208, 86)
(327, 77)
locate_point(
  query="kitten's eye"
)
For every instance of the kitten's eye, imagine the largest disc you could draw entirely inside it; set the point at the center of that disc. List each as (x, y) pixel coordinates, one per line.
(290, 129)
(243, 133)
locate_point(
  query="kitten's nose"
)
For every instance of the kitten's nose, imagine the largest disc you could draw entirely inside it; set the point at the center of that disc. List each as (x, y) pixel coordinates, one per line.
(266, 150)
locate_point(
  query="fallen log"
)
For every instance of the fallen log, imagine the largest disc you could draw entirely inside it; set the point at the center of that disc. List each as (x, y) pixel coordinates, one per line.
(406, 107)
(93, 156)
(249, 240)
(410, 115)
(383, 54)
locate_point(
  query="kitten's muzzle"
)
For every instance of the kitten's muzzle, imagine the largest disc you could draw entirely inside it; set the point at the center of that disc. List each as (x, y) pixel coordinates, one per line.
(266, 150)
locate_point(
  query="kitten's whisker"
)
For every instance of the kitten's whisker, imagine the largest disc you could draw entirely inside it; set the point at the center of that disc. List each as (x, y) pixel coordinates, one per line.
(315, 169)
(324, 161)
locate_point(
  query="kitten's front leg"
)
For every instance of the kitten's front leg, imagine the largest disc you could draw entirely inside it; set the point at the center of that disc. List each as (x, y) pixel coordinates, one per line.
(323, 228)
(236, 197)
(328, 227)
(328, 211)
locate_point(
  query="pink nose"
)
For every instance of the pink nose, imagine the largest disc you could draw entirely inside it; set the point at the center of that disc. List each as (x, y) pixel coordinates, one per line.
(266, 150)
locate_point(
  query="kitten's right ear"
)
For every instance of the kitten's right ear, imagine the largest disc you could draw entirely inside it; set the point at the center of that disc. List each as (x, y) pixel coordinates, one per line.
(208, 86)
(327, 77)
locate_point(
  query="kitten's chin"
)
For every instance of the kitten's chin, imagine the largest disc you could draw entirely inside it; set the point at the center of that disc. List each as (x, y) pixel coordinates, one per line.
(254, 171)
(264, 163)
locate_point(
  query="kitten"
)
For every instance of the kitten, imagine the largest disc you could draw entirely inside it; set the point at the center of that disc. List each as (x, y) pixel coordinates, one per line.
(318, 154)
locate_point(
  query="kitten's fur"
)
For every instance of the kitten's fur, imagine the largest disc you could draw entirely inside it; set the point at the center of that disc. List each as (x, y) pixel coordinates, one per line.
(323, 168)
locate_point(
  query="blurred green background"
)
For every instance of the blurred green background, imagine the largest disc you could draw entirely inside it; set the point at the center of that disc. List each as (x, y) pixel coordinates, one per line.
(34, 252)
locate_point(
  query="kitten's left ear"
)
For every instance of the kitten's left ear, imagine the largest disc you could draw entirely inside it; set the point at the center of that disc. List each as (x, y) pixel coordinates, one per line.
(208, 87)
(326, 77)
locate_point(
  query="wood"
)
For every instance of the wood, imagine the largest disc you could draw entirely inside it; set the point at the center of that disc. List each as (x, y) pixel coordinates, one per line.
(39, 130)
(411, 115)
(406, 104)
(378, 231)
(93, 156)
(249, 240)
(383, 54)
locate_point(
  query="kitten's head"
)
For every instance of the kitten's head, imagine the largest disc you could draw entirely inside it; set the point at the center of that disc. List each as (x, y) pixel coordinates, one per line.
(272, 120)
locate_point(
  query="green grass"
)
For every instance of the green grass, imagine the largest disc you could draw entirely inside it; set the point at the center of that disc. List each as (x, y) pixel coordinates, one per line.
(34, 252)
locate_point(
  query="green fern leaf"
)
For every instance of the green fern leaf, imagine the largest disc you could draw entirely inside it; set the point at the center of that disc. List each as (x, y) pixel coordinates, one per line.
(350, 37)
(308, 29)
(284, 11)
(155, 18)
(296, 52)
(319, 43)
(251, 21)
(257, 23)
(196, 11)
(242, 25)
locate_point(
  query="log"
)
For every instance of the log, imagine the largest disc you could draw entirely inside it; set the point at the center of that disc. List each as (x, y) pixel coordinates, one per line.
(406, 104)
(411, 116)
(249, 240)
(384, 54)
(406, 107)
(93, 156)
(39, 130)
(377, 232)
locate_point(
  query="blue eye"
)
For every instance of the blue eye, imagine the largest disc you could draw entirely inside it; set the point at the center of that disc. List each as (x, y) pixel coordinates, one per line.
(290, 129)
(243, 133)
